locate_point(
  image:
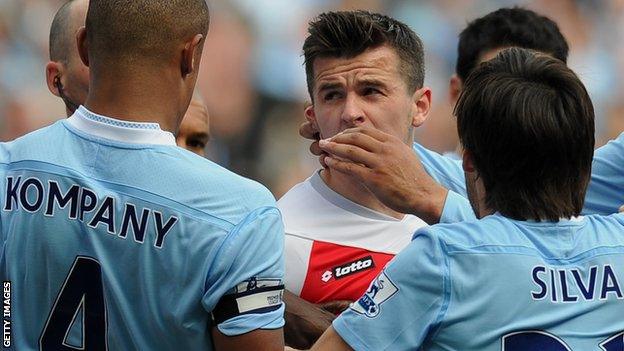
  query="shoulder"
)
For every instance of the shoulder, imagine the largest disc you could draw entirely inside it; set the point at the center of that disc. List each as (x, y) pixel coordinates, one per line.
(295, 199)
(491, 230)
(206, 183)
(23, 147)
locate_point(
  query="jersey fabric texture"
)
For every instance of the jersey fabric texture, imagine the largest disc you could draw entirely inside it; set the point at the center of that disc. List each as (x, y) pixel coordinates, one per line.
(335, 247)
(114, 238)
(498, 284)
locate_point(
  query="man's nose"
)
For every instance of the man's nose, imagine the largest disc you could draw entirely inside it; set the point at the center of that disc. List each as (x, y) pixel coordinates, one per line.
(353, 113)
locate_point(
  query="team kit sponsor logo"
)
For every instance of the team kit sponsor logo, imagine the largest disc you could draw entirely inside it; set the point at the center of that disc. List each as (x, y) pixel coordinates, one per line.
(349, 268)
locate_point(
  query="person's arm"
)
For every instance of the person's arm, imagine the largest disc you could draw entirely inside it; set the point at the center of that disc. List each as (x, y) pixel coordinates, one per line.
(445, 170)
(260, 340)
(605, 193)
(331, 341)
(244, 285)
(305, 321)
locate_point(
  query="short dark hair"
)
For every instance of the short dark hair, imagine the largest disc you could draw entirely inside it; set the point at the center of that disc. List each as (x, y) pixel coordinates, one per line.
(350, 33)
(60, 39)
(508, 27)
(528, 123)
(128, 29)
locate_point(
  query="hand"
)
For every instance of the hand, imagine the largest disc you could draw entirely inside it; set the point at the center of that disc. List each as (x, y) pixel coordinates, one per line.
(305, 321)
(335, 307)
(389, 169)
(308, 131)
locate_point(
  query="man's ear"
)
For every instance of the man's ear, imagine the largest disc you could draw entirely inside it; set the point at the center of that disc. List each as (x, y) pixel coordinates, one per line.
(53, 72)
(422, 106)
(190, 53)
(455, 88)
(310, 116)
(468, 162)
(83, 45)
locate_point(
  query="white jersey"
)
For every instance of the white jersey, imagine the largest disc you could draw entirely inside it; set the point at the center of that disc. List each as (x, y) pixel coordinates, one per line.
(335, 247)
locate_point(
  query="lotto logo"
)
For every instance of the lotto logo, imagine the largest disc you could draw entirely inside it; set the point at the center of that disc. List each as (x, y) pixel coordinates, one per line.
(326, 276)
(353, 267)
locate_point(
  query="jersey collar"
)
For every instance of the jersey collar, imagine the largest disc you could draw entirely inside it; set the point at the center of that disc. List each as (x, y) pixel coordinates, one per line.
(119, 130)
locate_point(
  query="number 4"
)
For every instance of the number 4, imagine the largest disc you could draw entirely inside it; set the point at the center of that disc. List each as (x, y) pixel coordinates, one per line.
(82, 288)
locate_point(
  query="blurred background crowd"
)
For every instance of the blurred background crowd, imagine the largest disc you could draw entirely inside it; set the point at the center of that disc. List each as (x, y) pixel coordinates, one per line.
(253, 79)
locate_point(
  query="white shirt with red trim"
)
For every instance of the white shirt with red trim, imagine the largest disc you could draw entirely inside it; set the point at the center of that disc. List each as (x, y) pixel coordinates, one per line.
(335, 247)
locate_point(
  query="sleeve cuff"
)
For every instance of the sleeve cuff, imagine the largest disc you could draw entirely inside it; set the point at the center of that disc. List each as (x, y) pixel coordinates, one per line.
(247, 323)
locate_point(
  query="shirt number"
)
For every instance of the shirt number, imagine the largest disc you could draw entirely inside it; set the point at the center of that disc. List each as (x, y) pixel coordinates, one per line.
(82, 289)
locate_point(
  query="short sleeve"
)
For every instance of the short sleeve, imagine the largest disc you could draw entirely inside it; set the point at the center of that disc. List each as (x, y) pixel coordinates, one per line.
(403, 304)
(456, 209)
(443, 169)
(605, 193)
(246, 279)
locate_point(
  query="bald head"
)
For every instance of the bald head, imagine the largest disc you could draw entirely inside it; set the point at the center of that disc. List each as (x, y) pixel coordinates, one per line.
(69, 18)
(124, 31)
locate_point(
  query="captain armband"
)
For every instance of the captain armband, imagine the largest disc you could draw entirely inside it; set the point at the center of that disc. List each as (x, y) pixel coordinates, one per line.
(253, 296)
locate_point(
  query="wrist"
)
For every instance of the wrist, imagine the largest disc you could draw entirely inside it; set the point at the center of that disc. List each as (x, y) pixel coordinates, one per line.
(428, 205)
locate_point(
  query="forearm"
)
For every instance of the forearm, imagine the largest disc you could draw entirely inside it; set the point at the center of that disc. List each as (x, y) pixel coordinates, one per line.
(305, 321)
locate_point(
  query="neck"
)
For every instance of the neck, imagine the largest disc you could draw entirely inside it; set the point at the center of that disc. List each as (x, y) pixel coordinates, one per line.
(356, 192)
(136, 96)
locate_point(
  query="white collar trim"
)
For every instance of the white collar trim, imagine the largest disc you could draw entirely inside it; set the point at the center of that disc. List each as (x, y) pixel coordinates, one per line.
(119, 130)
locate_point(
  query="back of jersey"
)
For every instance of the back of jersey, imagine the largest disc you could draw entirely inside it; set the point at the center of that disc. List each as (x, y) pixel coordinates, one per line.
(121, 246)
(499, 284)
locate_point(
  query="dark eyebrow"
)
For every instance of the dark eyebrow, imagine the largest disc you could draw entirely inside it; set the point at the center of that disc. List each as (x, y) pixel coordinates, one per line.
(202, 135)
(328, 86)
(373, 82)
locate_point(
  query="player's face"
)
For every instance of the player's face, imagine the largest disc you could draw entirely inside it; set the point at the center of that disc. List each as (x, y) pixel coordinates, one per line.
(195, 129)
(367, 90)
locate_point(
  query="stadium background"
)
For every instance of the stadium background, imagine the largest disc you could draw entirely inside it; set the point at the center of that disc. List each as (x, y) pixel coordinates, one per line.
(254, 83)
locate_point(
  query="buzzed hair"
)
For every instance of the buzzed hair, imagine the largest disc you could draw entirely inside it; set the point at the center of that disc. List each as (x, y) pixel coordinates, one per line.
(124, 30)
(60, 39)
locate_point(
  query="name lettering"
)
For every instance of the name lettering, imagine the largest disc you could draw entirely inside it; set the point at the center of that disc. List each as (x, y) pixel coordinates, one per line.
(84, 205)
(572, 285)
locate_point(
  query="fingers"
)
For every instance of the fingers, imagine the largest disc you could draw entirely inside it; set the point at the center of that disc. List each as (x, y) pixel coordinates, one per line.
(322, 160)
(358, 171)
(315, 149)
(308, 131)
(348, 152)
(371, 132)
(336, 307)
(358, 139)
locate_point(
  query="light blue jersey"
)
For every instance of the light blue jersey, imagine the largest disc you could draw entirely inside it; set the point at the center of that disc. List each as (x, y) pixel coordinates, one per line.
(605, 193)
(113, 238)
(498, 284)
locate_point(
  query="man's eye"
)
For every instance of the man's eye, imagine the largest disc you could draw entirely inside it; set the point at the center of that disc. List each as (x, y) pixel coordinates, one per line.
(331, 96)
(371, 91)
(199, 144)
